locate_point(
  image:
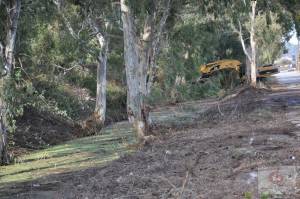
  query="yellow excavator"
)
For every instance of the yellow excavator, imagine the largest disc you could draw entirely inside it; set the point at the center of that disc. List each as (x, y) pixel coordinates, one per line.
(267, 70)
(227, 64)
(209, 69)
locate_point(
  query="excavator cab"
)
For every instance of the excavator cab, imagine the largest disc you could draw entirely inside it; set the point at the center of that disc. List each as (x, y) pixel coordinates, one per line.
(267, 70)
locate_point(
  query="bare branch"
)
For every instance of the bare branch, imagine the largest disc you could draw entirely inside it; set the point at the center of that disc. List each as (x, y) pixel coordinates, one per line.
(159, 32)
(244, 1)
(69, 26)
(65, 69)
(1, 50)
(95, 27)
(101, 37)
(184, 184)
(243, 42)
(22, 68)
(58, 4)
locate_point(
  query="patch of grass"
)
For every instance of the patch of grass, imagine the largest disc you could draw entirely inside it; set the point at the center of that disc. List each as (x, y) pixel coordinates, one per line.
(71, 156)
(116, 103)
(90, 151)
(265, 196)
(248, 195)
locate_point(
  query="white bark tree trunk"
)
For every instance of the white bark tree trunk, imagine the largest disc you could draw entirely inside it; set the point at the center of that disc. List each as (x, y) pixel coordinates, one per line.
(7, 55)
(253, 44)
(103, 42)
(252, 56)
(140, 59)
(298, 56)
(100, 107)
(248, 66)
(134, 75)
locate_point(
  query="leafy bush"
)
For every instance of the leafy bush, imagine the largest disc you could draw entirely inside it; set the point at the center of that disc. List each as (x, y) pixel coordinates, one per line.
(116, 103)
(212, 86)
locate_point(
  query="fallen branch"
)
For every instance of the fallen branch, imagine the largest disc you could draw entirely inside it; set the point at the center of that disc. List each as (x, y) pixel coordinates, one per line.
(65, 69)
(222, 114)
(184, 184)
(244, 166)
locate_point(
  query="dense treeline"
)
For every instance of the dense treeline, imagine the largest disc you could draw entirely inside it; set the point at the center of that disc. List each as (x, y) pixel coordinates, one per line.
(94, 62)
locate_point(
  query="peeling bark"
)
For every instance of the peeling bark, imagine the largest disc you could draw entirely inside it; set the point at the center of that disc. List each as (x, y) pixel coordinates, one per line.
(7, 55)
(253, 44)
(248, 67)
(298, 56)
(140, 60)
(103, 42)
(135, 98)
(252, 56)
(100, 107)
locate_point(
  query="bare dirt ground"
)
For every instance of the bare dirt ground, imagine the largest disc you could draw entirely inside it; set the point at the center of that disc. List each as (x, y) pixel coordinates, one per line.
(219, 154)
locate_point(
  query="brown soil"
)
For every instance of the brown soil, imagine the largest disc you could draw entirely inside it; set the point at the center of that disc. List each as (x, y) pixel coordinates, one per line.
(213, 158)
(36, 130)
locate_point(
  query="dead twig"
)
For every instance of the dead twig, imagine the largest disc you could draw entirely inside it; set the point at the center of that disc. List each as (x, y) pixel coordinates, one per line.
(222, 114)
(22, 68)
(184, 184)
(168, 181)
(248, 166)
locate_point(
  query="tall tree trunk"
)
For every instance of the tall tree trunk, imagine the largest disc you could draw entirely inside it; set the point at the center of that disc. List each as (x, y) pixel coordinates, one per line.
(136, 108)
(3, 126)
(248, 66)
(251, 56)
(140, 60)
(14, 8)
(103, 41)
(100, 107)
(298, 56)
(253, 44)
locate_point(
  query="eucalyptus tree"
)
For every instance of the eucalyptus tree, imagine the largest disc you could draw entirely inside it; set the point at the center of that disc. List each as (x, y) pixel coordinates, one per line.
(94, 17)
(143, 28)
(269, 36)
(9, 21)
(244, 13)
(293, 6)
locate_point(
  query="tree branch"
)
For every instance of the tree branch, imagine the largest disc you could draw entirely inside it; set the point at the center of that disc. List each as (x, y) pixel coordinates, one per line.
(243, 42)
(65, 69)
(161, 26)
(58, 4)
(69, 26)
(1, 50)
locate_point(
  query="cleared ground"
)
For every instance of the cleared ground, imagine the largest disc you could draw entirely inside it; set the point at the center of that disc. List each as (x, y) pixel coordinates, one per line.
(205, 149)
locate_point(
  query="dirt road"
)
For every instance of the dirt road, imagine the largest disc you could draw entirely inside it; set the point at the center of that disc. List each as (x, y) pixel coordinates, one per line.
(237, 147)
(285, 80)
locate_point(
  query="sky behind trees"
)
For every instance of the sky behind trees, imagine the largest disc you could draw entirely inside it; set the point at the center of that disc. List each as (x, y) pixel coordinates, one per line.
(294, 39)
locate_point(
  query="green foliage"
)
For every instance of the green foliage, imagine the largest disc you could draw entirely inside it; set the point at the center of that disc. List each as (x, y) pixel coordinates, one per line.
(116, 93)
(248, 195)
(293, 6)
(265, 196)
(185, 91)
(61, 96)
(269, 38)
(116, 103)
(19, 94)
(83, 79)
(198, 32)
(195, 39)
